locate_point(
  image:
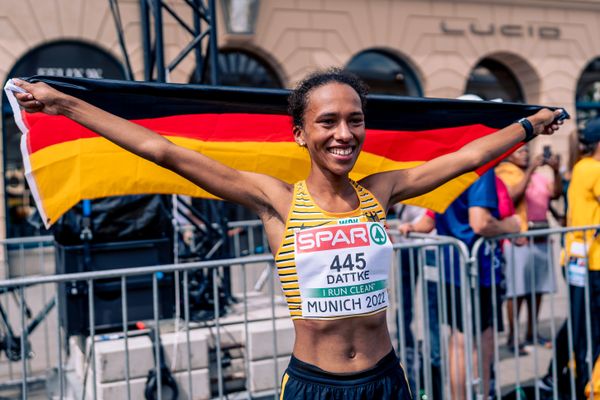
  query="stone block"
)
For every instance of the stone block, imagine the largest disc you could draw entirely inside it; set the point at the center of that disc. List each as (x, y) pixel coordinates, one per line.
(260, 339)
(262, 374)
(230, 335)
(198, 349)
(110, 355)
(118, 390)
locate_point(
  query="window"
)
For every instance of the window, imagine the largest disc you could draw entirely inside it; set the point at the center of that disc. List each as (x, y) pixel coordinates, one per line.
(587, 97)
(490, 80)
(385, 73)
(242, 68)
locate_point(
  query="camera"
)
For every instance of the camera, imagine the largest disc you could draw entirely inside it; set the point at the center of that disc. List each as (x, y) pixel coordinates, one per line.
(547, 153)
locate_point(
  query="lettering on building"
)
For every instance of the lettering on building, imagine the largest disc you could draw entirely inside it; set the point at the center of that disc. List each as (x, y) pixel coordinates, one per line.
(458, 28)
(71, 72)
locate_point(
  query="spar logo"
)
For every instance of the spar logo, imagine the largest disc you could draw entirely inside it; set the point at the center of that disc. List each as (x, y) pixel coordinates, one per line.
(378, 234)
(332, 237)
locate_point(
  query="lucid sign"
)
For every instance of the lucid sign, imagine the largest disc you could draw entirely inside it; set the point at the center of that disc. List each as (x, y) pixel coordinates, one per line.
(508, 30)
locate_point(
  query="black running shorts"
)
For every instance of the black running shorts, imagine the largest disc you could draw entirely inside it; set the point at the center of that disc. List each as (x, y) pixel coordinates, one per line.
(385, 381)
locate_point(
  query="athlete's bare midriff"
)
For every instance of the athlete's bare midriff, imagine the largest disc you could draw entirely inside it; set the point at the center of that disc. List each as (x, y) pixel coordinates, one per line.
(343, 345)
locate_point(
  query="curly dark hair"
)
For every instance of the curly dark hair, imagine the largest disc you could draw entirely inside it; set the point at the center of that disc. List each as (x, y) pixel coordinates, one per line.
(298, 99)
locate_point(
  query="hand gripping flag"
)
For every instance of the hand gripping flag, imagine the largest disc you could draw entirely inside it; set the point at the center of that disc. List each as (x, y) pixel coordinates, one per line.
(247, 129)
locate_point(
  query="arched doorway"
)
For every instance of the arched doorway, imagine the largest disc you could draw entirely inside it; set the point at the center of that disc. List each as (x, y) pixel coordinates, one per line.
(60, 58)
(491, 79)
(243, 68)
(587, 96)
(385, 73)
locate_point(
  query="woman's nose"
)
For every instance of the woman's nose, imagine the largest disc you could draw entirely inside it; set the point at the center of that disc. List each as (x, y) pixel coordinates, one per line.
(343, 132)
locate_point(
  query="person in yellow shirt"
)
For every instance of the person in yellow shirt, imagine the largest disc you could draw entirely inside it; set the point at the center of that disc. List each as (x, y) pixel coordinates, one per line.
(583, 254)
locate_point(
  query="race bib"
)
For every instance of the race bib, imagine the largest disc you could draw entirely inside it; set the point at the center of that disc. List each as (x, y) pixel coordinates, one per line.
(576, 271)
(577, 266)
(430, 269)
(343, 269)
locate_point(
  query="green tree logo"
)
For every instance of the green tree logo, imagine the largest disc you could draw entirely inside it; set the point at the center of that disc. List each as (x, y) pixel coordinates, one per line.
(378, 234)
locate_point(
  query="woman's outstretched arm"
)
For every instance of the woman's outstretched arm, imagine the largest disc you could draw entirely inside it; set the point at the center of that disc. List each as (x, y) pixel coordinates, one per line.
(394, 186)
(258, 192)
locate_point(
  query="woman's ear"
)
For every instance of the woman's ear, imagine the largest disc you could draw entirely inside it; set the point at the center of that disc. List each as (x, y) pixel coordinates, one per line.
(299, 136)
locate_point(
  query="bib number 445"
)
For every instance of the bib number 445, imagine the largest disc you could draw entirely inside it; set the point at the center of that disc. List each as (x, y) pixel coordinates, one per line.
(348, 262)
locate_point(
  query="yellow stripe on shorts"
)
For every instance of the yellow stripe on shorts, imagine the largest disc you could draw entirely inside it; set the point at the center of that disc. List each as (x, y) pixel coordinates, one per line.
(283, 382)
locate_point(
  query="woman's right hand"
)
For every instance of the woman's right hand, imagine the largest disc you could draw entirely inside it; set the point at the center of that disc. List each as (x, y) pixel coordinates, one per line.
(40, 97)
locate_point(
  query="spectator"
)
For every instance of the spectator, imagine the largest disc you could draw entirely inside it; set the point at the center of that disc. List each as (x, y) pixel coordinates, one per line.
(528, 270)
(582, 250)
(406, 217)
(473, 214)
(547, 383)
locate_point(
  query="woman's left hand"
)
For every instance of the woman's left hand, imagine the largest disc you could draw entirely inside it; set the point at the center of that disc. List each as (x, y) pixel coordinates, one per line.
(544, 121)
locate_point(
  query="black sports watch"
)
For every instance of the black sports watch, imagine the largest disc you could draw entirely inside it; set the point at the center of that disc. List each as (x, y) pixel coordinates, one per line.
(528, 127)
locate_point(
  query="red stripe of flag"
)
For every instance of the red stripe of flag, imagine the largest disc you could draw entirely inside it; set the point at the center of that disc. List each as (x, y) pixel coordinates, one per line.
(421, 145)
(395, 145)
(207, 127)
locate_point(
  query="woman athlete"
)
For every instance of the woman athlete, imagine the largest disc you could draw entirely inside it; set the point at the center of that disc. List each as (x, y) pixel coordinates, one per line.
(326, 234)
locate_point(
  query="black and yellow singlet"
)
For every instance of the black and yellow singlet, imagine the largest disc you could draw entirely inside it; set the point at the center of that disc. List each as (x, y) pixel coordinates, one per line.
(334, 265)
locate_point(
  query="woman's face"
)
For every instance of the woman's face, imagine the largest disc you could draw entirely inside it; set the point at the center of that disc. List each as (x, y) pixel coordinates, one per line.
(334, 127)
(520, 157)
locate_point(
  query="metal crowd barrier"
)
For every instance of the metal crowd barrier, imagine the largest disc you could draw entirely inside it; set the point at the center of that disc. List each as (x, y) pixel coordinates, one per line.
(217, 324)
(21, 257)
(20, 366)
(525, 381)
(512, 375)
(250, 341)
(422, 319)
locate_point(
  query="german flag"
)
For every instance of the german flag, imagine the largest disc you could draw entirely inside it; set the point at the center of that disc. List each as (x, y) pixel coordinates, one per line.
(247, 129)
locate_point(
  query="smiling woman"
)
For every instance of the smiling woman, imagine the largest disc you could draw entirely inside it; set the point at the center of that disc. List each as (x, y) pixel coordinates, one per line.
(333, 129)
(326, 232)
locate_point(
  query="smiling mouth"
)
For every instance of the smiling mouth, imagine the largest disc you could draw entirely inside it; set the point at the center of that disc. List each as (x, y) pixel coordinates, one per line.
(341, 151)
